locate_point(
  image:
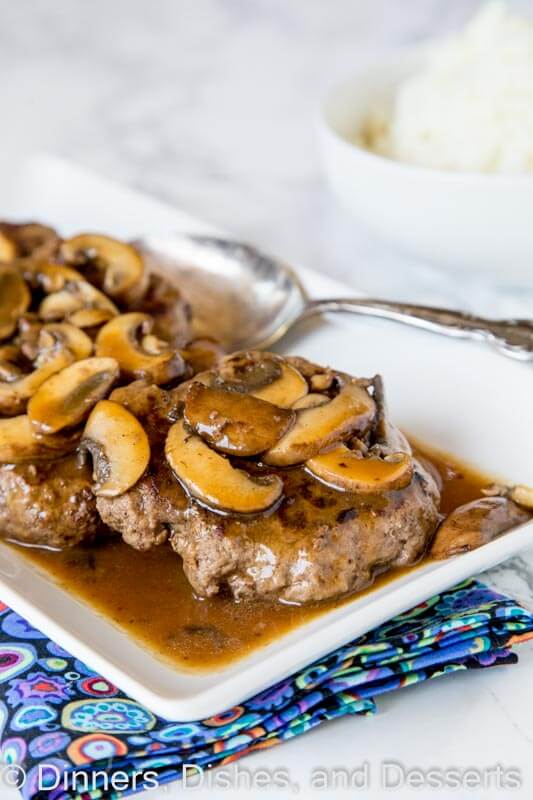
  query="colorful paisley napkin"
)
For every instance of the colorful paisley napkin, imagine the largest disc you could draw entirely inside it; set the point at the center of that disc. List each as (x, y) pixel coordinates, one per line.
(58, 718)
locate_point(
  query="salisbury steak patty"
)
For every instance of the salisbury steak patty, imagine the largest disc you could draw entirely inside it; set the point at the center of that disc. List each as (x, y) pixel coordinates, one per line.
(318, 544)
(317, 540)
(48, 503)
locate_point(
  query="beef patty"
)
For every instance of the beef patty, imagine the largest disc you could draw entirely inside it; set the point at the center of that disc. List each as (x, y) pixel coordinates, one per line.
(319, 543)
(48, 503)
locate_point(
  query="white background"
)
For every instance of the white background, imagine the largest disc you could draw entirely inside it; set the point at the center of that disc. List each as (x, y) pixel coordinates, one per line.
(211, 104)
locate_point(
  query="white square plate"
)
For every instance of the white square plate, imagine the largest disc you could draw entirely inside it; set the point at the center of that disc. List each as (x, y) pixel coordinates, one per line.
(458, 396)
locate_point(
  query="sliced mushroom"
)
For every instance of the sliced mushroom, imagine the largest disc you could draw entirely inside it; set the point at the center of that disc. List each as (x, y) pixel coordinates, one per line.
(75, 296)
(286, 390)
(66, 399)
(347, 469)
(240, 425)
(522, 496)
(202, 354)
(18, 443)
(311, 400)
(140, 355)
(263, 375)
(322, 381)
(249, 370)
(119, 448)
(15, 297)
(179, 392)
(71, 297)
(10, 369)
(211, 479)
(32, 239)
(90, 317)
(8, 250)
(476, 523)
(57, 347)
(121, 267)
(68, 336)
(47, 275)
(350, 412)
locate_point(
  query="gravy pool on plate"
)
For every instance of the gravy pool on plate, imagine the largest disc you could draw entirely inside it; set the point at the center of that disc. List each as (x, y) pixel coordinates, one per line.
(147, 594)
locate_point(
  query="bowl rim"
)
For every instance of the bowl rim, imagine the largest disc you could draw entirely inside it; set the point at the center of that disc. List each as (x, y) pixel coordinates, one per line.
(394, 58)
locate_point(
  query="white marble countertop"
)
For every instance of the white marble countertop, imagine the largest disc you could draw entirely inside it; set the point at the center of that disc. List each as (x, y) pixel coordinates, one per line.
(211, 105)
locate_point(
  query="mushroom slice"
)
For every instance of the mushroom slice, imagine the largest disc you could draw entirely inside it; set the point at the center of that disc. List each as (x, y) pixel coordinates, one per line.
(140, 355)
(311, 400)
(73, 297)
(8, 250)
(522, 496)
(211, 479)
(57, 347)
(249, 370)
(347, 469)
(18, 444)
(10, 370)
(119, 448)
(202, 354)
(47, 275)
(179, 393)
(65, 399)
(68, 336)
(286, 390)
(90, 317)
(475, 524)
(15, 297)
(315, 429)
(122, 266)
(237, 424)
(263, 375)
(32, 239)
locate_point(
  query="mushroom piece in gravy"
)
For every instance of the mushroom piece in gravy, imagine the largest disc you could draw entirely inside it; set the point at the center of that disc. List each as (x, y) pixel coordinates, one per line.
(315, 429)
(19, 444)
(233, 423)
(120, 266)
(31, 239)
(57, 346)
(140, 354)
(119, 448)
(15, 298)
(212, 480)
(8, 251)
(75, 296)
(353, 471)
(286, 390)
(475, 524)
(66, 399)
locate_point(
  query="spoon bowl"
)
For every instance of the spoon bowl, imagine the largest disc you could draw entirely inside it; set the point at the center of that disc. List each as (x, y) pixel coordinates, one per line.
(241, 297)
(247, 299)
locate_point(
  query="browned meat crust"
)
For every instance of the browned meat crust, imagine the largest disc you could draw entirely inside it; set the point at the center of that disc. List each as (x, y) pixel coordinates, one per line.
(50, 503)
(319, 543)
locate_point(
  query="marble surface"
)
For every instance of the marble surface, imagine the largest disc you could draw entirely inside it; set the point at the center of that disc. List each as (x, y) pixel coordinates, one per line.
(211, 105)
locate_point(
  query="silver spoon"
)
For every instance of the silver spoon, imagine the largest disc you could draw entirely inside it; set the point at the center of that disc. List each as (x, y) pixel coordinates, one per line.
(247, 299)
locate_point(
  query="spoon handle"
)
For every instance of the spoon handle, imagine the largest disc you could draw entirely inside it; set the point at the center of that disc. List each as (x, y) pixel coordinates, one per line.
(513, 337)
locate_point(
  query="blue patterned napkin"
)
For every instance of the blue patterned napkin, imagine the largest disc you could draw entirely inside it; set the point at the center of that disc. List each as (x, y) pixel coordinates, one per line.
(59, 720)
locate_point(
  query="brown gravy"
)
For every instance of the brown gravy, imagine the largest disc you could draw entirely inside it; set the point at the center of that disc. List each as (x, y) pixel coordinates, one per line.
(147, 594)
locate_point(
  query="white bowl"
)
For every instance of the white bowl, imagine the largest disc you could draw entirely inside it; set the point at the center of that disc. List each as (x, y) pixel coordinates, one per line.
(474, 221)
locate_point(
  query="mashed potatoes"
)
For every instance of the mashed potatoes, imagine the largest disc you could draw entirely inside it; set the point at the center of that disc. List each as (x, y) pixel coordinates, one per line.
(471, 108)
